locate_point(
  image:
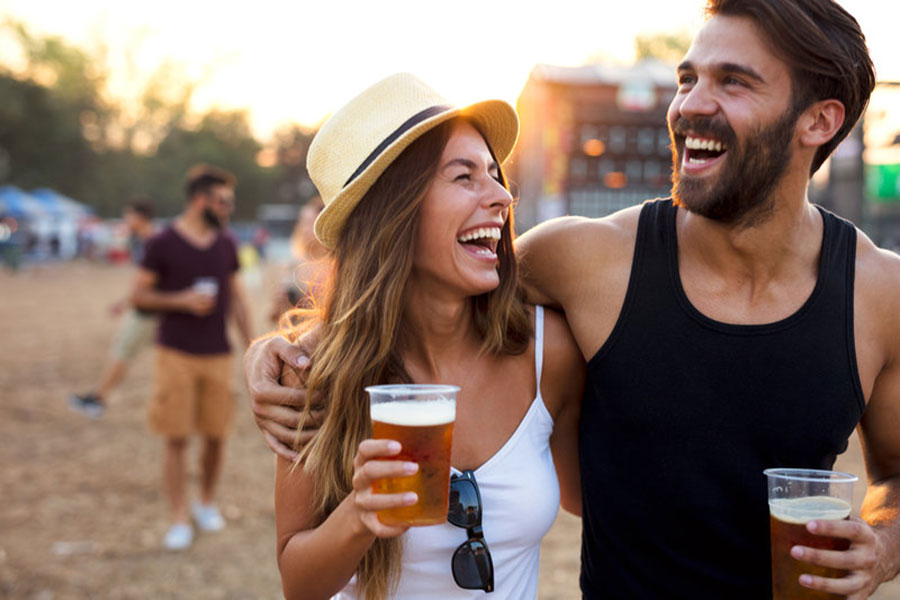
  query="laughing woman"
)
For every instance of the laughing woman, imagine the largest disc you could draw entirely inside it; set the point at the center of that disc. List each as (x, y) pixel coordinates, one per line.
(424, 289)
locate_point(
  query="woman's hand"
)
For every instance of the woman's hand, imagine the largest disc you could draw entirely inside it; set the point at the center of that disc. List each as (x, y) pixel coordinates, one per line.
(369, 466)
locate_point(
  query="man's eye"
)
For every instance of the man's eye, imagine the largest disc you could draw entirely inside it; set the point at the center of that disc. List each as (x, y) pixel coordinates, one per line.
(686, 80)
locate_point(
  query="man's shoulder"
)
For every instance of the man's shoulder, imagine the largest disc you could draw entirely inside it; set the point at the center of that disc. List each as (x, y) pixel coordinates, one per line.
(878, 277)
(157, 246)
(161, 236)
(584, 234)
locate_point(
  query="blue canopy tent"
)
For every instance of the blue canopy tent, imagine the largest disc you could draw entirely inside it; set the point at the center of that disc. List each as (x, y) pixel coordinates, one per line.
(60, 232)
(16, 203)
(58, 204)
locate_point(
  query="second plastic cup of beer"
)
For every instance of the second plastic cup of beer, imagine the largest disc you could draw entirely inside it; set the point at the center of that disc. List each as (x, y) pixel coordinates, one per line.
(421, 418)
(796, 497)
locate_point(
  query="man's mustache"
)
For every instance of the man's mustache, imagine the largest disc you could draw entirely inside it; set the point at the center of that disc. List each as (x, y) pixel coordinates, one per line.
(705, 127)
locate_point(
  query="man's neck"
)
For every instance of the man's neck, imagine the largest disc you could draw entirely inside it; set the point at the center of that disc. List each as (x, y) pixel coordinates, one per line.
(195, 229)
(760, 247)
(145, 231)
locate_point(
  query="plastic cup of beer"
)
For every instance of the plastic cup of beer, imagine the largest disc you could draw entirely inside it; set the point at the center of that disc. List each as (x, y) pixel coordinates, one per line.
(206, 285)
(421, 418)
(796, 497)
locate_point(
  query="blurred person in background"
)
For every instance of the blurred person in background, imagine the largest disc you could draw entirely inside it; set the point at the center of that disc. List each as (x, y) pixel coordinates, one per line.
(136, 327)
(12, 239)
(298, 285)
(189, 277)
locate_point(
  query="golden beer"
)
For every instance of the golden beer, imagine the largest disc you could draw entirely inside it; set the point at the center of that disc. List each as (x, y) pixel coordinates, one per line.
(787, 525)
(424, 429)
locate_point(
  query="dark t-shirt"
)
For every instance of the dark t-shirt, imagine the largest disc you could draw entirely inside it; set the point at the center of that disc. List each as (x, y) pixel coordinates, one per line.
(178, 264)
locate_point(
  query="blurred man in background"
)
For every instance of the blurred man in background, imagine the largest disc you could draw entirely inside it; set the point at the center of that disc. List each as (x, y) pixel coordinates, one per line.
(136, 327)
(189, 276)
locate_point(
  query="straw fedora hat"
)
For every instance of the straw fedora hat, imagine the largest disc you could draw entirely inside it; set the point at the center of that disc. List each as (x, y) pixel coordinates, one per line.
(356, 145)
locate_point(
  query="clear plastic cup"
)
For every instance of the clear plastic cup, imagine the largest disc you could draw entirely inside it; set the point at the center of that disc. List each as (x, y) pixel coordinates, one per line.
(421, 418)
(796, 497)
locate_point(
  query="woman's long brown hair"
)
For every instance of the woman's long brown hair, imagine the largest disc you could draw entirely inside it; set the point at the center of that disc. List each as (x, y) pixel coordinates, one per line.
(358, 327)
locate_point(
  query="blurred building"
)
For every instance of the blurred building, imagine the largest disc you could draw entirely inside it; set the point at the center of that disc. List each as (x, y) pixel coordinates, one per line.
(881, 164)
(593, 139)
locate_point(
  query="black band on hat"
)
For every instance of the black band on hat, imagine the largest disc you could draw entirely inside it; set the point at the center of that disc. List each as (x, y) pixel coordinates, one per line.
(407, 125)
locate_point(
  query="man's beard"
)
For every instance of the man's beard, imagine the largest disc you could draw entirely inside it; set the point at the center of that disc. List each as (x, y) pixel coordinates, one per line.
(742, 191)
(211, 219)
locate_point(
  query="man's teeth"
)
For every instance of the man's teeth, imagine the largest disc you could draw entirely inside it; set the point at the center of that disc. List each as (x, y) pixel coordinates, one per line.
(491, 233)
(704, 144)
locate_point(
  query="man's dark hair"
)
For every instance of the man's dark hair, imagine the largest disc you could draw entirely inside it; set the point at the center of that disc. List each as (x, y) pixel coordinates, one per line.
(824, 48)
(143, 207)
(202, 178)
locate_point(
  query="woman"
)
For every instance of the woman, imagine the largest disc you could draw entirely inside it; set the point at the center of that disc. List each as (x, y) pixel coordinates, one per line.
(424, 290)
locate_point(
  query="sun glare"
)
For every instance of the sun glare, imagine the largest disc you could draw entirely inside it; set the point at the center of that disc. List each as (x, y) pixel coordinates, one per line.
(296, 62)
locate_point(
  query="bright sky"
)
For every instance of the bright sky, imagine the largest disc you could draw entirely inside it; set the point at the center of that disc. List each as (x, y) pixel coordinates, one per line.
(297, 61)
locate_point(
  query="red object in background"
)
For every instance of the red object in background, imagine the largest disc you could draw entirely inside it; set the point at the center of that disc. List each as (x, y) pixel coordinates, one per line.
(116, 254)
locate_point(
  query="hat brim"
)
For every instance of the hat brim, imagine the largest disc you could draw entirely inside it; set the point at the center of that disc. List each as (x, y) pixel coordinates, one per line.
(496, 120)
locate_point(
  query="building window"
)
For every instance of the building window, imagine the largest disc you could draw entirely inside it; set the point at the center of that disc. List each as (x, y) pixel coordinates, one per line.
(605, 166)
(634, 169)
(578, 168)
(618, 139)
(662, 142)
(646, 141)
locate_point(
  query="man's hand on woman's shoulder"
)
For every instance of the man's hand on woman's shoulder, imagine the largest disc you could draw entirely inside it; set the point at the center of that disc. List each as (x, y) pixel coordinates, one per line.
(275, 370)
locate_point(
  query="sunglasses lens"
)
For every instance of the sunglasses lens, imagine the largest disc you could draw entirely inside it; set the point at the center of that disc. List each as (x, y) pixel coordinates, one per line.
(472, 567)
(465, 509)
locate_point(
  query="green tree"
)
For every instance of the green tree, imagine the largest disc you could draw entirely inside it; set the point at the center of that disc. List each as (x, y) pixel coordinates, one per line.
(58, 130)
(666, 46)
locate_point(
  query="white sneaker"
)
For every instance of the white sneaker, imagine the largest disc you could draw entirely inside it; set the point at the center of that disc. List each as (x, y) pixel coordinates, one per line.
(207, 516)
(178, 537)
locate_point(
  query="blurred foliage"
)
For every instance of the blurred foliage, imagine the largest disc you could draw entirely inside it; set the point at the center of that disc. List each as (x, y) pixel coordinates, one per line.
(668, 47)
(58, 129)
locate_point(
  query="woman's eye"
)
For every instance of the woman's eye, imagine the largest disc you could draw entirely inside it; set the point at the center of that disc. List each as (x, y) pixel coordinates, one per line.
(462, 177)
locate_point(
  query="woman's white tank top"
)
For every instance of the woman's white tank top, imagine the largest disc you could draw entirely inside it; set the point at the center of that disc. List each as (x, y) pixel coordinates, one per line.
(520, 498)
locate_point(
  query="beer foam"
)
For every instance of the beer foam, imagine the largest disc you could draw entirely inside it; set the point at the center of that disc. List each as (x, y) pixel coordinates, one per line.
(416, 413)
(804, 510)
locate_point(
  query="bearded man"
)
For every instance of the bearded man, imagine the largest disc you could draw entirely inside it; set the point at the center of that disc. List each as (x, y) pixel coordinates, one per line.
(189, 276)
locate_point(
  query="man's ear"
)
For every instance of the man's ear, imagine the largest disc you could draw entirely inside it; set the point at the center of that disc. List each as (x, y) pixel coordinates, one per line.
(818, 123)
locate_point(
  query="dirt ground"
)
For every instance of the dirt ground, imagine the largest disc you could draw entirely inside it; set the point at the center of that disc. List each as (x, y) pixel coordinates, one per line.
(81, 509)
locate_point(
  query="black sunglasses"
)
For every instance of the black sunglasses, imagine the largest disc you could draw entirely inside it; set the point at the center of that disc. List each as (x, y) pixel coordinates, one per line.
(471, 564)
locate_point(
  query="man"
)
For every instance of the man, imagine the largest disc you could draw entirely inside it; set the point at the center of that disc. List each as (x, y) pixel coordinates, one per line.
(189, 276)
(736, 328)
(136, 327)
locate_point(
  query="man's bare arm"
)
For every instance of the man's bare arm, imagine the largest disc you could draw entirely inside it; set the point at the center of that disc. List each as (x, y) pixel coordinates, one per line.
(880, 430)
(145, 296)
(581, 266)
(874, 553)
(239, 309)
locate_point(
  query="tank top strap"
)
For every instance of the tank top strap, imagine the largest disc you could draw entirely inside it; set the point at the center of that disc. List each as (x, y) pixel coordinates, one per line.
(538, 344)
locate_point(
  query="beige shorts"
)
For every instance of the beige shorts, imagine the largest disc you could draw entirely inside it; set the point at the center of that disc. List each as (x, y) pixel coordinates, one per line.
(136, 330)
(193, 394)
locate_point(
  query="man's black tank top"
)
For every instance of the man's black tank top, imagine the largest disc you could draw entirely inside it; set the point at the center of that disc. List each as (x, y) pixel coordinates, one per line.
(682, 413)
